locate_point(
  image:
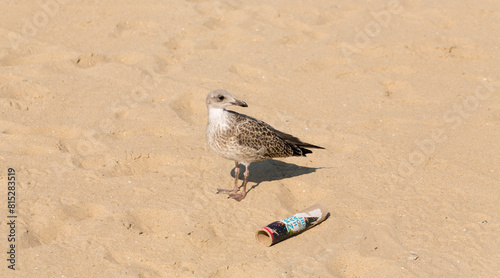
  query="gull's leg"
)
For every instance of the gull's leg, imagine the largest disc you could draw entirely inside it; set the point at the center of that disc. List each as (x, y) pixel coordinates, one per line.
(238, 196)
(236, 175)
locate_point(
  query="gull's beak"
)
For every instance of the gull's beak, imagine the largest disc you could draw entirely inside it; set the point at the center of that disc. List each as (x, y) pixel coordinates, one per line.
(239, 103)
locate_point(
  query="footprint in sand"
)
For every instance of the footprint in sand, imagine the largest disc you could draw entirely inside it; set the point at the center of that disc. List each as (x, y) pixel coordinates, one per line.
(135, 28)
(166, 222)
(21, 94)
(47, 221)
(36, 53)
(180, 48)
(184, 109)
(15, 104)
(401, 90)
(90, 59)
(24, 90)
(169, 224)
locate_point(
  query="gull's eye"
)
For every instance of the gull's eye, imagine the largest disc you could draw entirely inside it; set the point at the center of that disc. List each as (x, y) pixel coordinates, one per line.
(221, 98)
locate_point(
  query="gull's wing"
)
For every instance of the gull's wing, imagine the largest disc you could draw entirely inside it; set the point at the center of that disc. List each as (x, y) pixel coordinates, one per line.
(257, 134)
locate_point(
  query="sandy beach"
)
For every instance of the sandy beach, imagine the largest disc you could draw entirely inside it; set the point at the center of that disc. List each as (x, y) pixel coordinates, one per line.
(103, 117)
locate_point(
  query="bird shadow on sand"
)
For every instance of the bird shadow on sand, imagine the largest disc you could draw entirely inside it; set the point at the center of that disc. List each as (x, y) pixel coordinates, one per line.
(272, 170)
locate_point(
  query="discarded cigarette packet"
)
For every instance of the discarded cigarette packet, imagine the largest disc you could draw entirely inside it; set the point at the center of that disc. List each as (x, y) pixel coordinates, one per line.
(290, 226)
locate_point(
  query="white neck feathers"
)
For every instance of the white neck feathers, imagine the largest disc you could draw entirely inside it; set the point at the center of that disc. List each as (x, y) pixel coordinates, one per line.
(218, 117)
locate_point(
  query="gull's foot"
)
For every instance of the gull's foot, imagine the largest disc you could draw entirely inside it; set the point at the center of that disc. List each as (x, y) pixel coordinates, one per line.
(238, 196)
(226, 191)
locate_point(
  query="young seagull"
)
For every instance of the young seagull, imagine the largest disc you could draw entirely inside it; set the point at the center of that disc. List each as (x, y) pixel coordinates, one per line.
(244, 139)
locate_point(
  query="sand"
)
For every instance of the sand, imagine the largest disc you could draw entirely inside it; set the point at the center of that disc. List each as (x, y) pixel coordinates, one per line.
(102, 116)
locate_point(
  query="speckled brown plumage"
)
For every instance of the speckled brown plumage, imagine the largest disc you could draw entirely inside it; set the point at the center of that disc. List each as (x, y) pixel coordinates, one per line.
(257, 134)
(244, 139)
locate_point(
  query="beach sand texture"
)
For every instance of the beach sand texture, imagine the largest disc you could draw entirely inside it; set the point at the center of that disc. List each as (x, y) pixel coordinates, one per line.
(102, 116)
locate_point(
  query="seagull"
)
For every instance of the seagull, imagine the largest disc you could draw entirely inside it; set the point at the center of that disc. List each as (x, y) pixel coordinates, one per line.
(244, 139)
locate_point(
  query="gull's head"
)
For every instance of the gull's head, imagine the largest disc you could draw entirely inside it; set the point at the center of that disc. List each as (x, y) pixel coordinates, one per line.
(221, 98)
